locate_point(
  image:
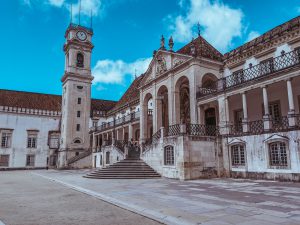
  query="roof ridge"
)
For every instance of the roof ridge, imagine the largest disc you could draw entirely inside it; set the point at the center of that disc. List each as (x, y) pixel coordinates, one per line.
(266, 32)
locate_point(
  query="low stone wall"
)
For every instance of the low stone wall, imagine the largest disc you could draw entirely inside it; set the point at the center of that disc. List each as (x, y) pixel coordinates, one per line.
(115, 156)
(295, 177)
(194, 157)
(83, 163)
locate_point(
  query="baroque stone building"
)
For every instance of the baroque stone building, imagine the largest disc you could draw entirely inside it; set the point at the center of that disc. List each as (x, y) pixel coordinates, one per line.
(195, 113)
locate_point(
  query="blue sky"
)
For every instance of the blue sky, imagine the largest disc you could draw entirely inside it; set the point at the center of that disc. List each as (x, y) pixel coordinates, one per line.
(125, 34)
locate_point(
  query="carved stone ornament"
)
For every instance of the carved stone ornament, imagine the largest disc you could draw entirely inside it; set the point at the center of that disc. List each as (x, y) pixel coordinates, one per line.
(161, 65)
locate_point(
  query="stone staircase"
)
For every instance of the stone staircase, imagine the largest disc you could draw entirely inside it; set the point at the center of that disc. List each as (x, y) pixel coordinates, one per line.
(125, 169)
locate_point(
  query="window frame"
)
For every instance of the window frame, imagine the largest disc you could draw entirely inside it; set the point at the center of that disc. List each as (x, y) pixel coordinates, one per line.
(242, 158)
(53, 136)
(279, 155)
(31, 162)
(32, 140)
(169, 155)
(8, 142)
(1, 161)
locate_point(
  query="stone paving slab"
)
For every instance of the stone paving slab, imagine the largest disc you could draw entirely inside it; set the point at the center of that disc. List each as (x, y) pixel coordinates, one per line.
(214, 201)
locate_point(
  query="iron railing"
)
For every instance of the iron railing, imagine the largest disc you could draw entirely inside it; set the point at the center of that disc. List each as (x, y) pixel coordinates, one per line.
(202, 130)
(236, 129)
(280, 124)
(120, 121)
(172, 130)
(263, 69)
(256, 127)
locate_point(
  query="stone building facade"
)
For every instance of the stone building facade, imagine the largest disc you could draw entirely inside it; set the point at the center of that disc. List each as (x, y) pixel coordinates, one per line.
(195, 113)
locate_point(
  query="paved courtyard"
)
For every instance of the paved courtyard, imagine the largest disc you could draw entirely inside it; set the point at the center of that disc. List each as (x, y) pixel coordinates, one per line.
(50, 195)
(28, 199)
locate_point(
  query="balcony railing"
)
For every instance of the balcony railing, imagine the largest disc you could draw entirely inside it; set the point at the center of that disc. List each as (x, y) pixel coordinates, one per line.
(280, 124)
(236, 129)
(256, 127)
(120, 121)
(172, 130)
(202, 130)
(263, 69)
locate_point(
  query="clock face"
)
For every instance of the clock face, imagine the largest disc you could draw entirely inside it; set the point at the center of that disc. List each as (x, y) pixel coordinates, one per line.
(81, 35)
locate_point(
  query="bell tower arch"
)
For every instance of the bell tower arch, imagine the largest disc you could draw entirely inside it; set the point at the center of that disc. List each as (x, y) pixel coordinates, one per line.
(76, 96)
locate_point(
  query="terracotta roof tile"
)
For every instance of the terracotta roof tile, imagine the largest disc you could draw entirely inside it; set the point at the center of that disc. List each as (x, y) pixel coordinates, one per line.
(266, 37)
(203, 48)
(130, 95)
(50, 102)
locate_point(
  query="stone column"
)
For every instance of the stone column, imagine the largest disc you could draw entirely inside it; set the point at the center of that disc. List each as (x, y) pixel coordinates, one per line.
(130, 132)
(193, 100)
(123, 133)
(171, 102)
(200, 114)
(266, 117)
(291, 113)
(223, 115)
(143, 126)
(94, 143)
(245, 113)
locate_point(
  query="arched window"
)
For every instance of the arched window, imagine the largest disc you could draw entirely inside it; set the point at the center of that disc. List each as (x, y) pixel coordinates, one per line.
(278, 154)
(169, 159)
(238, 155)
(80, 60)
(77, 141)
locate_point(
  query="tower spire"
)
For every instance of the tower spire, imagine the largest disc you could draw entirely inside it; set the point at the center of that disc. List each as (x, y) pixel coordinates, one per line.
(91, 18)
(79, 10)
(199, 29)
(71, 10)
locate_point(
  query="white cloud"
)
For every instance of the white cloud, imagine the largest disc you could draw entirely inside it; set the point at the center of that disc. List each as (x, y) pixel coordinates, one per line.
(220, 22)
(86, 7)
(252, 35)
(114, 72)
(57, 3)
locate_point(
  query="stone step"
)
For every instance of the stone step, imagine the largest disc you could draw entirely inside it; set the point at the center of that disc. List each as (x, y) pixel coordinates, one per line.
(125, 169)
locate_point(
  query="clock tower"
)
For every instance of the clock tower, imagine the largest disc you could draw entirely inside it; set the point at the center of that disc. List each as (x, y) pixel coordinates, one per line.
(76, 97)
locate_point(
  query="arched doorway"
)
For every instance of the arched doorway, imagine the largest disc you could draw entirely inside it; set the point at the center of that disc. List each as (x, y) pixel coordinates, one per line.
(147, 116)
(162, 107)
(182, 101)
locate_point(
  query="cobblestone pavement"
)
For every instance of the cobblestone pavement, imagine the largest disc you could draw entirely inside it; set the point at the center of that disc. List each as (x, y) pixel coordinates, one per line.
(28, 199)
(215, 201)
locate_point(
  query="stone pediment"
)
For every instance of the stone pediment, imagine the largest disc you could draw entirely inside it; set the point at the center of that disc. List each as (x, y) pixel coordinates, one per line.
(236, 141)
(276, 137)
(162, 62)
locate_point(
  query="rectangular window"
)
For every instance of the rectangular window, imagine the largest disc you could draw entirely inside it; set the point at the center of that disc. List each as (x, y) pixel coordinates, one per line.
(78, 127)
(54, 141)
(4, 160)
(238, 155)
(78, 114)
(278, 154)
(267, 66)
(30, 160)
(275, 112)
(169, 156)
(32, 141)
(6, 140)
(79, 101)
